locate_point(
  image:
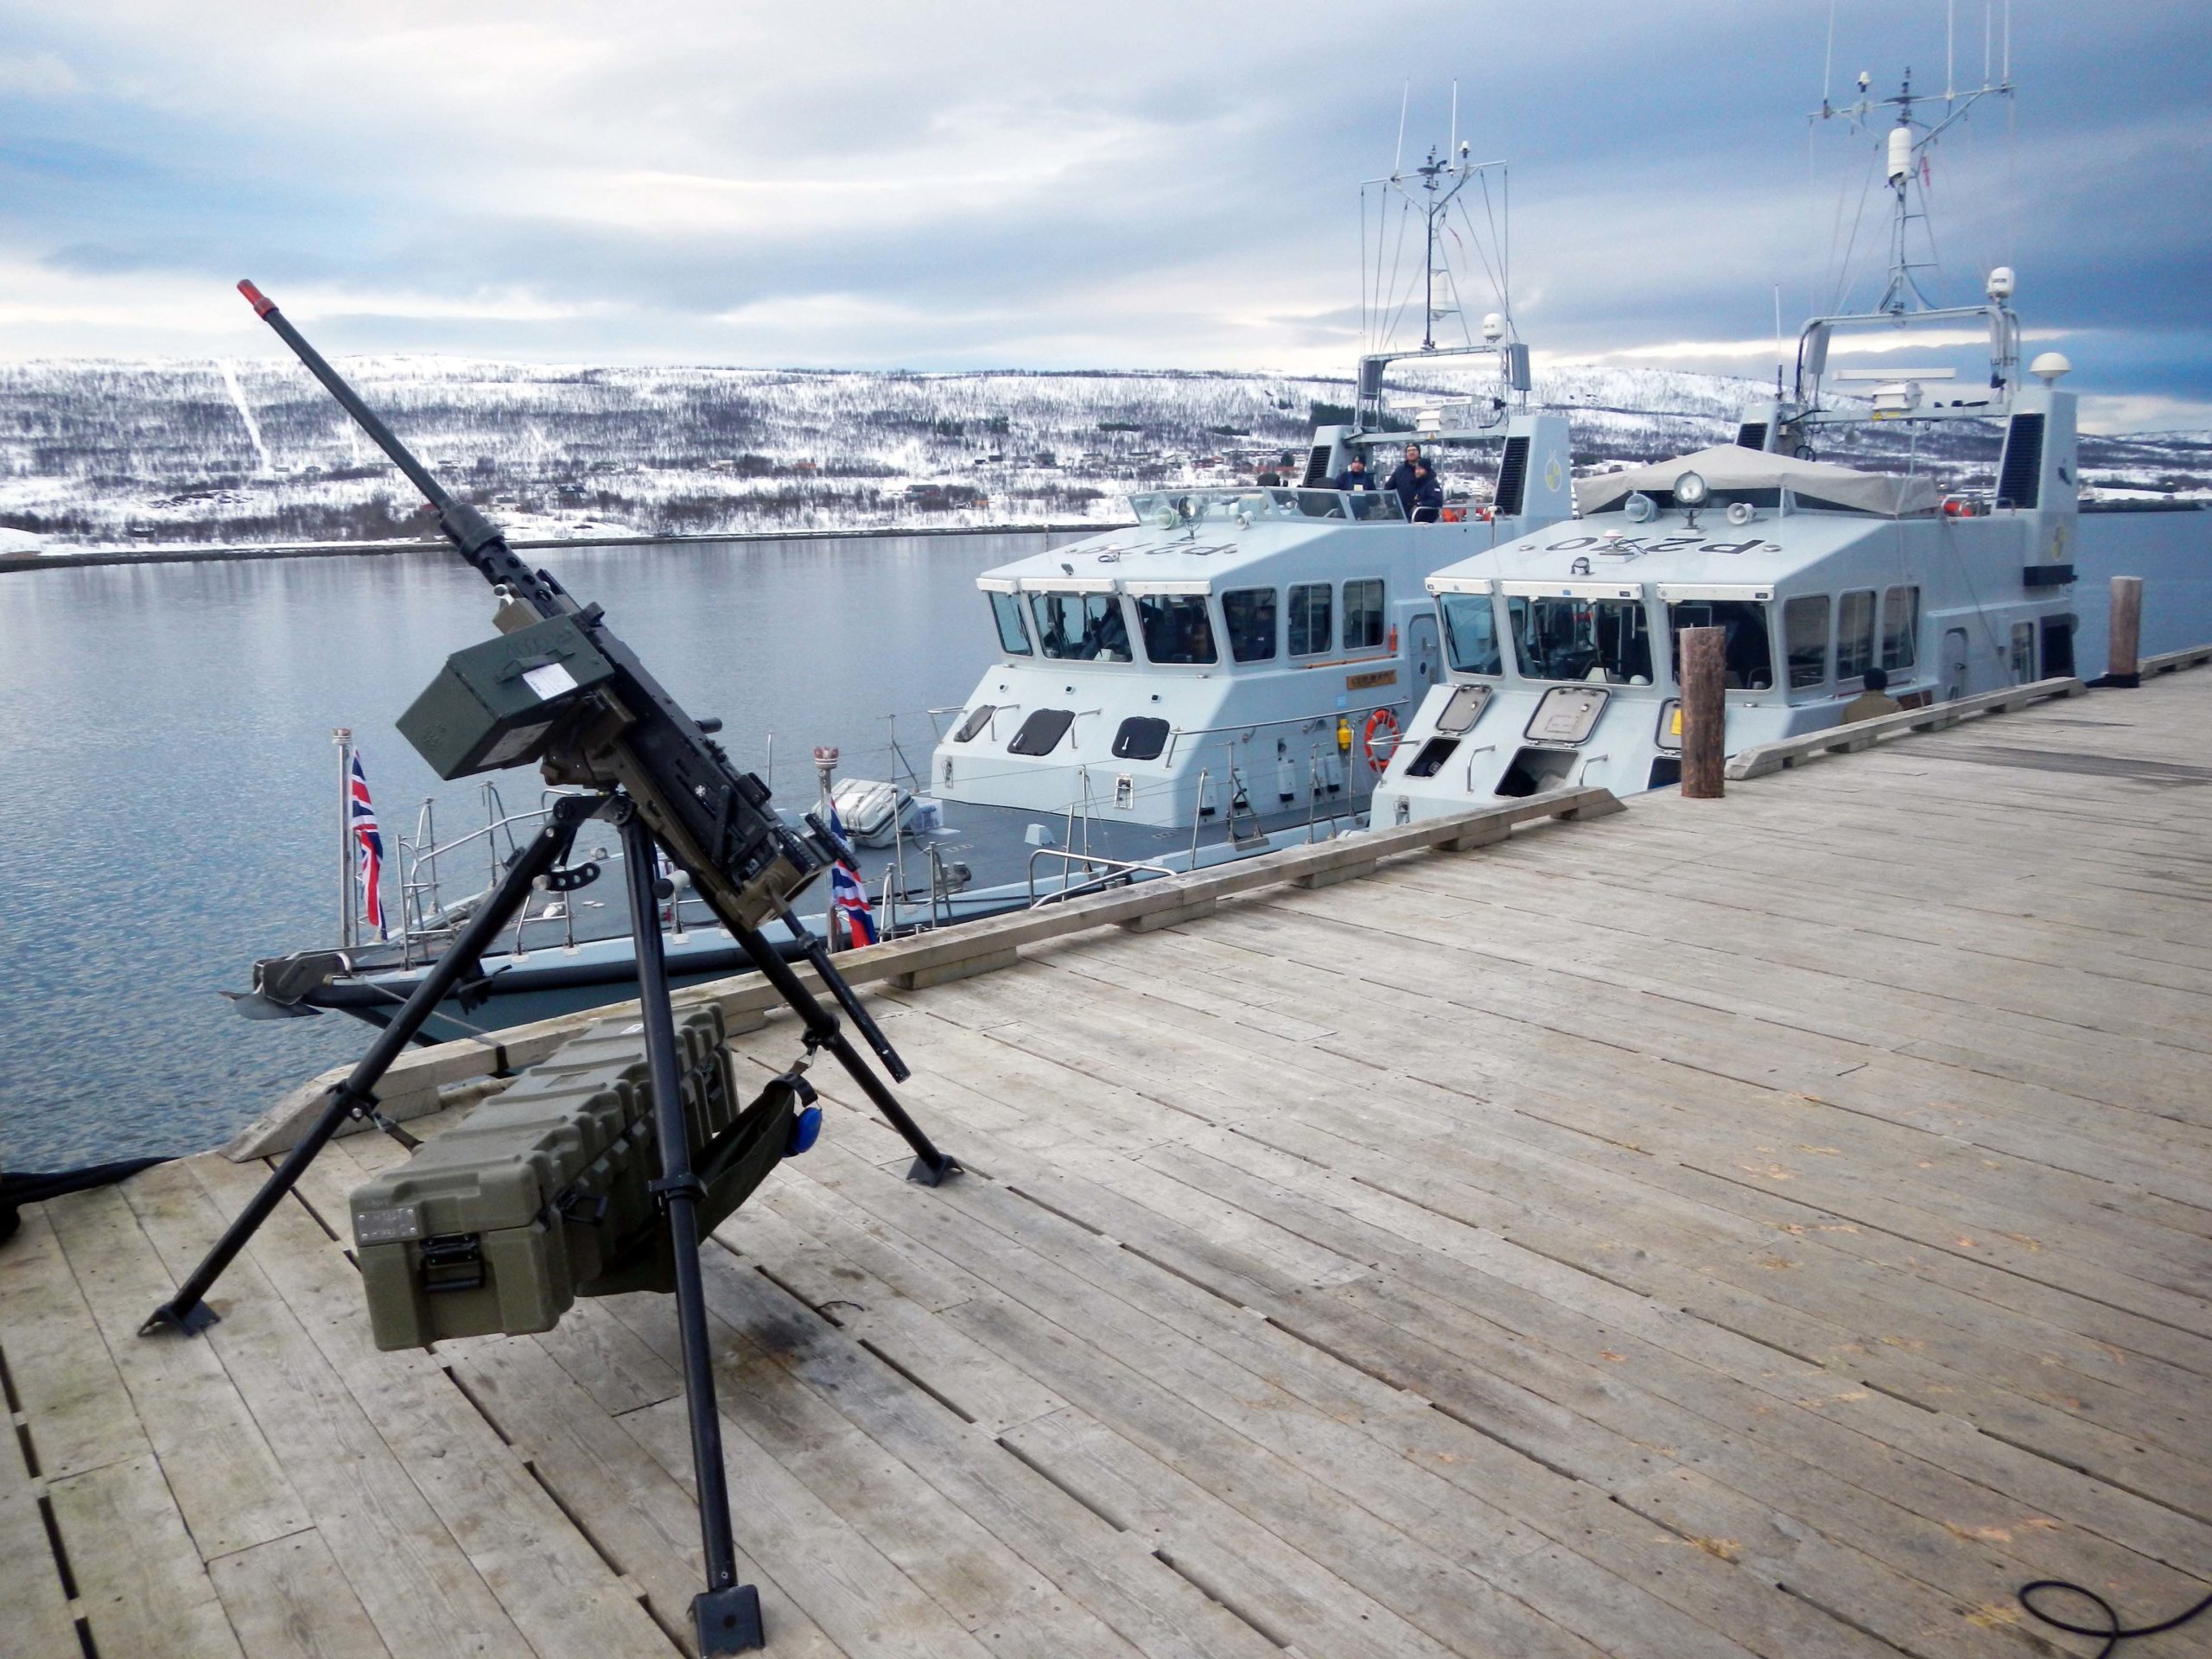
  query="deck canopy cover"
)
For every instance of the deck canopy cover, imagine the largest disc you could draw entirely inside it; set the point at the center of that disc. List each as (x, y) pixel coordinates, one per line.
(1729, 468)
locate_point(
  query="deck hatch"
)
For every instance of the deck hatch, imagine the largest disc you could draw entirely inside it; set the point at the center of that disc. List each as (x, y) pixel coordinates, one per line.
(1140, 738)
(1042, 732)
(1462, 709)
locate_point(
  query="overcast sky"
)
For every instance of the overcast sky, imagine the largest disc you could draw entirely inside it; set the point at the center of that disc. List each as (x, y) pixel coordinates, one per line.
(978, 185)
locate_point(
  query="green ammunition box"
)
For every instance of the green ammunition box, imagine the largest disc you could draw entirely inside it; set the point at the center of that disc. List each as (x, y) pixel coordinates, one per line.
(492, 704)
(544, 1193)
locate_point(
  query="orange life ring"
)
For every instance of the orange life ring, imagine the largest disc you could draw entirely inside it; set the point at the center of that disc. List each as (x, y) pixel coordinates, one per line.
(1381, 720)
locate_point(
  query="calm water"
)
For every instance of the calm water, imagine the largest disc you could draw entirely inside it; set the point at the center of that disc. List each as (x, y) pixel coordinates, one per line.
(167, 786)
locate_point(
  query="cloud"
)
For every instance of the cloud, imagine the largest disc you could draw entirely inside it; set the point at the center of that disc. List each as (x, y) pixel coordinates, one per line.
(37, 74)
(1161, 185)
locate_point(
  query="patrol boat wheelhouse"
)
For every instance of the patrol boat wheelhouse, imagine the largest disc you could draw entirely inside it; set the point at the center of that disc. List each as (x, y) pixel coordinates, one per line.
(1561, 651)
(1250, 655)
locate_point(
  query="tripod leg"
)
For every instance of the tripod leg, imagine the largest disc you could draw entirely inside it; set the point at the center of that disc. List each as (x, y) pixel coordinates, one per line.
(819, 954)
(930, 1167)
(187, 1310)
(725, 1615)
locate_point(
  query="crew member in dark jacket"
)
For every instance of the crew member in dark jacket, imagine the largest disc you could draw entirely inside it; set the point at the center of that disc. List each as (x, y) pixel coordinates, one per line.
(1419, 490)
(1356, 478)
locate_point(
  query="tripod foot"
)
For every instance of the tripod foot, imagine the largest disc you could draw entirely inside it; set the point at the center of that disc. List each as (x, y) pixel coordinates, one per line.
(727, 1621)
(184, 1321)
(933, 1173)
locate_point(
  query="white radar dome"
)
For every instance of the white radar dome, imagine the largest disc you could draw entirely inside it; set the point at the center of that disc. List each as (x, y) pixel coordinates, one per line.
(2000, 282)
(1493, 326)
(2048, 367)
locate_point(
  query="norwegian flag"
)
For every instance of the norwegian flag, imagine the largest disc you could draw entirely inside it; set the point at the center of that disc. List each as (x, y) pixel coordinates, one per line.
(848, 897)
(368, 845)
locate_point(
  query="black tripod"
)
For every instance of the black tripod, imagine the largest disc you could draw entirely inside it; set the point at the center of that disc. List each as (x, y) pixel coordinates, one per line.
(725, 1615)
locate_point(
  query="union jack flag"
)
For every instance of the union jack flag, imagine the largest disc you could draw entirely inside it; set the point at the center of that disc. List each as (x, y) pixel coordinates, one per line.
(848, 897)
(368, 845)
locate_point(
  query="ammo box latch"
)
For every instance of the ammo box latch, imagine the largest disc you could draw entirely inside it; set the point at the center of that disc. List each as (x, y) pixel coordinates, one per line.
(453, 1262)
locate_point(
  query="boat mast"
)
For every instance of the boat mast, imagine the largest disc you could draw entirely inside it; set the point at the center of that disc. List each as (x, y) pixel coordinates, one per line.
(1910, 139)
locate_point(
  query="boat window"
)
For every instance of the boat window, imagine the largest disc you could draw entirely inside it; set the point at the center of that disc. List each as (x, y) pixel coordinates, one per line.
(1250, 614)
(1605, 640)
(1469, 633)
(1042, 732)
(1312, 626)
(1805, 638)
(1140, 738)
(1747, 661)
(978, 717)
(1854, 635)
(1084, 627)
(2023, 652)
(1177, 628)
(1363, 627)
(1900, 623)
(1014, 638)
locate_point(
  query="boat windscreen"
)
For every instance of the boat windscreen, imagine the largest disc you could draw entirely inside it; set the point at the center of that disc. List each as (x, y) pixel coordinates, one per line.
(1605, 641)
(1746, 657)
(1471, 633)
(1006, 613)
(1177, 628)
(1082, 627)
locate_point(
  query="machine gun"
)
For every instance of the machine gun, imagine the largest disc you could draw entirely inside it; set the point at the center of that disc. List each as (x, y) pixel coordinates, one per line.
(559, 688)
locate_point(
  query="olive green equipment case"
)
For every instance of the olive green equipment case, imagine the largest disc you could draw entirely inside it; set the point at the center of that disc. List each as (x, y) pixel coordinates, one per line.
(545, 1193)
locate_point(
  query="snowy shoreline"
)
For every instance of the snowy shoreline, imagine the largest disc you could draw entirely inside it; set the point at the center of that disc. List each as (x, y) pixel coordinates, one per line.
(199, 553)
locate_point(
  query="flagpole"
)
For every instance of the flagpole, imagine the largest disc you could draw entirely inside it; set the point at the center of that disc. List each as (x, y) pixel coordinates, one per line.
(825, 762)
(348, 899)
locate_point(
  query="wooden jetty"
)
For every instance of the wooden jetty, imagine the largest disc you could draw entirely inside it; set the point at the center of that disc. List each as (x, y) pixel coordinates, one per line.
(1775, 1225)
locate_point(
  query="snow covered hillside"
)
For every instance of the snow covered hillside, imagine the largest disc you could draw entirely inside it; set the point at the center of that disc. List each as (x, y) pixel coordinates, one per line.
(96, 452)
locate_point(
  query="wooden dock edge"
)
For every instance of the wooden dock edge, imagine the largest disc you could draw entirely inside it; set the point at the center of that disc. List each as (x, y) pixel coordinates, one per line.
(431, 1079)
(2167, 661)
(1764, 757)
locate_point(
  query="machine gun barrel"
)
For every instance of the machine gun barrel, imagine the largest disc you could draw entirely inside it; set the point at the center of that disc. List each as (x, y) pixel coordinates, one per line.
(468, 530)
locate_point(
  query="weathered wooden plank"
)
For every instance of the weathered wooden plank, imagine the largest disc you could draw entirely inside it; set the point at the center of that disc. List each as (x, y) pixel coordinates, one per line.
(78, 1410)
(412, 1579)
(941, 1549)
(1767, 757)
(634, 1514)
(232, 1488)
(38, 1617)
(141, 1583)
(928, 1428)
(287, 1599)
(838, 1577)
(559, 1592)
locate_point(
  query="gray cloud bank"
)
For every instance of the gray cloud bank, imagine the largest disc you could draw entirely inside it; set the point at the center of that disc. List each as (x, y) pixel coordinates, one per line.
(939, 186)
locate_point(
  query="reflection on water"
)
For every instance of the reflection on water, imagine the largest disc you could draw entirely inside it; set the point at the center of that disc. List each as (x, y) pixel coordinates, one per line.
(169, 789)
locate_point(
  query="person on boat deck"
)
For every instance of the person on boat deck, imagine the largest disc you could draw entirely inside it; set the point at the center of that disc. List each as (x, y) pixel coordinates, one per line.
(1419, 490)
(1356, 479)
(1270, 477)
(1873, 703)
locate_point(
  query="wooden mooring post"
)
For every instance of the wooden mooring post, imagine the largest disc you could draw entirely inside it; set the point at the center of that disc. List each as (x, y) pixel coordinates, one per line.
(2124, 657)
(1704, 712)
